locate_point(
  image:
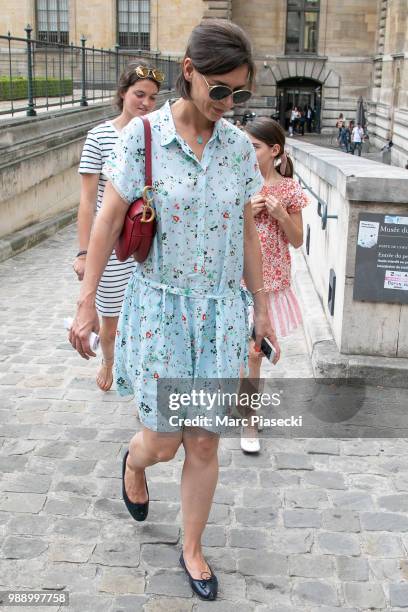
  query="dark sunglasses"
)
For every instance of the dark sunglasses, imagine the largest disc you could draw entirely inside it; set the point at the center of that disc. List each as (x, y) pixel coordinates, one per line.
(219, 92)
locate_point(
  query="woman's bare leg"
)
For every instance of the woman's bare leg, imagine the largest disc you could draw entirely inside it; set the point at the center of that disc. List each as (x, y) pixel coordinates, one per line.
(198, 482)
(146, 448)
(107, 335)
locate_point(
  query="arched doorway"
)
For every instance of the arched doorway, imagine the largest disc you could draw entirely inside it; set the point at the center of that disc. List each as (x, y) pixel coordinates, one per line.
(301, 92)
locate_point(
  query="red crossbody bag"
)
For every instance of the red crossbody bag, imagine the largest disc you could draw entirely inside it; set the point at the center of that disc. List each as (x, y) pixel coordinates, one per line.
(139, 226)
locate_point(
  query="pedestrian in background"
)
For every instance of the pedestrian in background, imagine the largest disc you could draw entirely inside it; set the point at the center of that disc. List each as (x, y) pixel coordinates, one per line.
(135, 96)
(302, 120)
(277, 211)
(345, 138)
(184, 313)
(339, 124)
(309, 118)
(357, 139)
(294, 116)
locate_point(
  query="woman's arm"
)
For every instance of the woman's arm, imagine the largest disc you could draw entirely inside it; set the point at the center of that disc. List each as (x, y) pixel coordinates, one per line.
(291, 224)
(106, 230)
(86, 213)
(253, 277)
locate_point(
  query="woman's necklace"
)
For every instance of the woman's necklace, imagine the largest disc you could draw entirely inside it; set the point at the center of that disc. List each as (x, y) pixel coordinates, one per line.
(200, 140)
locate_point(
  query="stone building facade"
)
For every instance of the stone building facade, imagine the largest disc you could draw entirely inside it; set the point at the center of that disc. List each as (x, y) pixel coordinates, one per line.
(324, 53)
(388, 102)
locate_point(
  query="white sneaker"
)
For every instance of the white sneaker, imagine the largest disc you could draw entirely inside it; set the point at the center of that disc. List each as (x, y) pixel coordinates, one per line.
(250, 445)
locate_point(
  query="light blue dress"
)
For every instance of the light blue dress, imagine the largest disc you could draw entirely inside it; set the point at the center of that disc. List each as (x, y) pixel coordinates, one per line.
(184, 313)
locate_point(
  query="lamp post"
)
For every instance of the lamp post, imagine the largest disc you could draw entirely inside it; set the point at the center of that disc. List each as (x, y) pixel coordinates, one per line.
(30, 91)
(83, 101)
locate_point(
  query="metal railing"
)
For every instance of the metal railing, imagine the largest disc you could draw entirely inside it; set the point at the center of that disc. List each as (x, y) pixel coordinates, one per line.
(35, 74)
(322, 207)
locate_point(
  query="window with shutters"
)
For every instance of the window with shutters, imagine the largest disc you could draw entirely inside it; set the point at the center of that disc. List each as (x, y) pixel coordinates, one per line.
(53, 21)
(302, 26)
(134, 24)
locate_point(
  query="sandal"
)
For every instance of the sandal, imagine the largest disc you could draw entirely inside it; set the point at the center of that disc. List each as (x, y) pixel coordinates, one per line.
(105, 383)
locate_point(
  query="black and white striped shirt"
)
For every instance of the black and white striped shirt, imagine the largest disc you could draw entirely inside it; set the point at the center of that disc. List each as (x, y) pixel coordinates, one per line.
(97, 148)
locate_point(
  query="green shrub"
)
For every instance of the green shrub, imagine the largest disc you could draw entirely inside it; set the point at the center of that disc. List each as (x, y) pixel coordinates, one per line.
(16, 88)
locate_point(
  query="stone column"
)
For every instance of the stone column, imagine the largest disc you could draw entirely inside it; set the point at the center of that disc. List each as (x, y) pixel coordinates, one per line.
(221, 9)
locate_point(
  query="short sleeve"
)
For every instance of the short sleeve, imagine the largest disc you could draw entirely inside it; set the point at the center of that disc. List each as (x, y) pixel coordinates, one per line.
(297, 198)
(125, 167)
(253, 181)
(91, 158)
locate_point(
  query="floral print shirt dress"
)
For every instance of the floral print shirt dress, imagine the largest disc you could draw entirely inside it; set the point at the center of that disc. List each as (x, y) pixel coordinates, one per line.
(184, 313)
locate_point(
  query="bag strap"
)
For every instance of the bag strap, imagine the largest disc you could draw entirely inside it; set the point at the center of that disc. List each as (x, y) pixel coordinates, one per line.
(148, 151)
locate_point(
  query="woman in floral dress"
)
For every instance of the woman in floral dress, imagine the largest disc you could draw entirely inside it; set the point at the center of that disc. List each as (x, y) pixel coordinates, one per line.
(184, 313)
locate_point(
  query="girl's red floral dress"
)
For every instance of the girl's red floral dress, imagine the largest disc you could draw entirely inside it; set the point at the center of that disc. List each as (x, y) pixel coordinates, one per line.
(283, 307)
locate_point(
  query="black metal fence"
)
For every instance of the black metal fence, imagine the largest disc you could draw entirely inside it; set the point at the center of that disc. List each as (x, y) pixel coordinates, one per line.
(40, 75)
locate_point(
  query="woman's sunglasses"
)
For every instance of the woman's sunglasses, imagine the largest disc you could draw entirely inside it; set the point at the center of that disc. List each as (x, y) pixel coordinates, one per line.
(143, 72)
(219, 92)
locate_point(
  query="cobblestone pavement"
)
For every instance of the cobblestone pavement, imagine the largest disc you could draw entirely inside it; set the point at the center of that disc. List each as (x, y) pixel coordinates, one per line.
(306, 526)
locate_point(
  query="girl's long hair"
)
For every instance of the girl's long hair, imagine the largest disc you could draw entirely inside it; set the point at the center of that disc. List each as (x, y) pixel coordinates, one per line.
(271, 133)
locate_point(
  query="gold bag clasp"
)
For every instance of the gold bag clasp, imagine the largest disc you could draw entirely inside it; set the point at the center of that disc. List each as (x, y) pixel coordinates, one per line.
(147, 207)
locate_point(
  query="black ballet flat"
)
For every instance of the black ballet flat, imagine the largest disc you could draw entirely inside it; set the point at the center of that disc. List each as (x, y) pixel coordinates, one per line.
(138, 511)
(206, 588)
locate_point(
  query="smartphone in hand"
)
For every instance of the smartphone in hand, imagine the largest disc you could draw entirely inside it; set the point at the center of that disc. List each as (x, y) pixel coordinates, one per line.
(266, 347)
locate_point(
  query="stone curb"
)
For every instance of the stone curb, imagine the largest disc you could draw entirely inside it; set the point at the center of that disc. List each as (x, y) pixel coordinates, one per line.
(34, 234)
(327, 361)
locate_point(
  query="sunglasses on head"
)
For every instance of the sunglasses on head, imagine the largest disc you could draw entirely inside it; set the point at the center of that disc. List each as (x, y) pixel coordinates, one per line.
(219, 92)
(143, 72)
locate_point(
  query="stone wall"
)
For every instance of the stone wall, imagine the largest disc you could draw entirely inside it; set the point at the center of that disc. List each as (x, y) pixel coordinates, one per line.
(172, 22)
(95, 20)
(349, 185)
(389, 99)
(218, 9)
(343, 63)
(265, 23)
(15, 16)
(348, 28)
(39, 160)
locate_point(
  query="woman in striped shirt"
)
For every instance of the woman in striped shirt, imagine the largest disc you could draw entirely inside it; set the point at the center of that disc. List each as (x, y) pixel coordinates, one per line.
(136, 95)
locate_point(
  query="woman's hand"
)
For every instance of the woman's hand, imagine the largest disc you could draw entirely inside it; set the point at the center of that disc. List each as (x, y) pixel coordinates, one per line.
(257, 204)
(275, 208)
(264, 329)
(79, 266)
(86, 321)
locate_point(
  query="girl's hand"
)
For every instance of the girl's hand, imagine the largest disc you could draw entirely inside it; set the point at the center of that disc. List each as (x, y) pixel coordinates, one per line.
(264, 329)
(86, 321)
(79, 266)
(257, 204)
(254, 353)
(275, 208)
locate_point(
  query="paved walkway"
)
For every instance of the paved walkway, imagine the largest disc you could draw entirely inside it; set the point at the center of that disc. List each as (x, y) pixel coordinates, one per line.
(329, 141)
(17, 109)
(307, 526)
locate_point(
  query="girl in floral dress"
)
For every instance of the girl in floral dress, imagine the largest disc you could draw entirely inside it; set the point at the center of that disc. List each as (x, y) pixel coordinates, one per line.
(277, 212)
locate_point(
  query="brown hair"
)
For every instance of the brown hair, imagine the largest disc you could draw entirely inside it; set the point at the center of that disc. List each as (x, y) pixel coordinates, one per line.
(127, 79)
(271, 133)
(216, 46)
